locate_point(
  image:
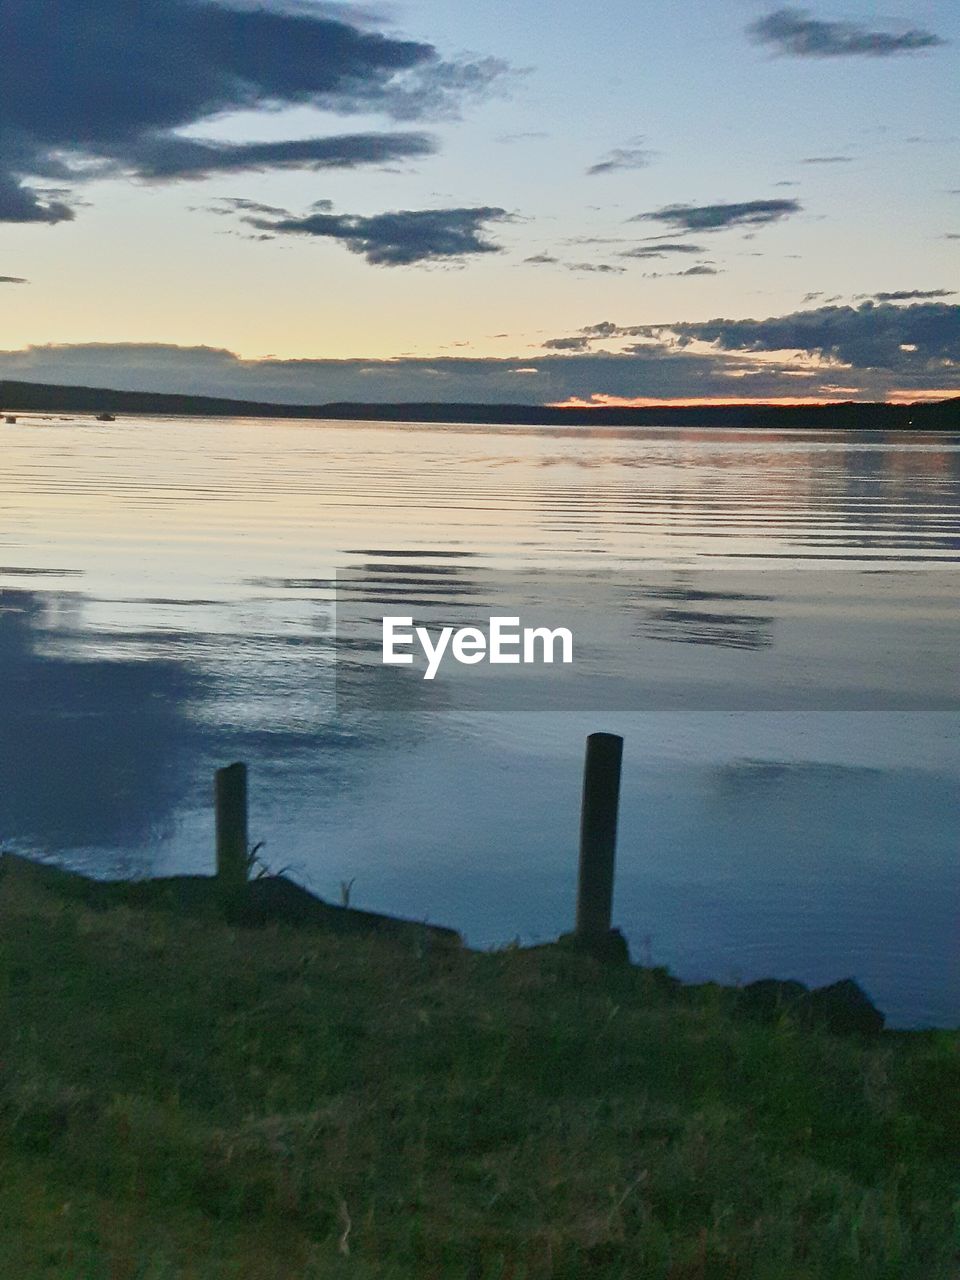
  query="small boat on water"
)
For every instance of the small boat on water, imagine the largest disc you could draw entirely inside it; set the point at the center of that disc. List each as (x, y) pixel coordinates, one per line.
(105, 417)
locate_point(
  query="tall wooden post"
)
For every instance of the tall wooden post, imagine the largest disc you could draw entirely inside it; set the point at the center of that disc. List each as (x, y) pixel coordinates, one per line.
(598, 836)
(230, 794)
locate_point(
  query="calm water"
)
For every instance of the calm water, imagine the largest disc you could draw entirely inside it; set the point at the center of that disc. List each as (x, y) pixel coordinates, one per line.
(167, 606)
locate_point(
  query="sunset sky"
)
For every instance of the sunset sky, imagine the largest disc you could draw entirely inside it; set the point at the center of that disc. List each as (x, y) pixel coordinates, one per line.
(310, 201)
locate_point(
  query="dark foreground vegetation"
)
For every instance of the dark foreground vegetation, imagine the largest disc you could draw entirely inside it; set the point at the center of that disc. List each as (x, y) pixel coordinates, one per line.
(943, 415)
(184, 1098)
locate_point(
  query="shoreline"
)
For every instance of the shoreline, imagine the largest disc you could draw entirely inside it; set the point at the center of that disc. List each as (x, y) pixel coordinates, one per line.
(183, 1096)
(840, 1007)
(943, 415)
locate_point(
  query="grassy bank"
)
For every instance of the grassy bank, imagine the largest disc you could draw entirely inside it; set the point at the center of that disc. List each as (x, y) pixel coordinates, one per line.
(183, 1099)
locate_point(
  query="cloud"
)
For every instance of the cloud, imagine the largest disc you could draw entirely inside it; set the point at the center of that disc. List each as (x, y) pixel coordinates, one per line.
(716, 217)
(21, 204)
(601, 268)
(795, 33)
(605, 329)
(663, 364)
(597, 268)
(400, 238)
(567, 344)
(106, 87)
(700, 269)
(906, 295)
(826, 160)
(13, 280)
(622, 158)
(227, 206)
(163, 159)
(922, 337)
(660, 250)
(594, 239)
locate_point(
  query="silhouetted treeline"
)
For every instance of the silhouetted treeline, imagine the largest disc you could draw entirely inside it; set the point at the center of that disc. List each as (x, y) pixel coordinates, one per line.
(942, 415)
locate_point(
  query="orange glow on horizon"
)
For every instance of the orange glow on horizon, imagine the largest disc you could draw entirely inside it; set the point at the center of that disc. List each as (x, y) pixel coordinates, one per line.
(602, 401)
(921, 397)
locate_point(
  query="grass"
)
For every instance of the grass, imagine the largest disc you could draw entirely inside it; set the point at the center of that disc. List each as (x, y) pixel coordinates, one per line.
(179, 1098)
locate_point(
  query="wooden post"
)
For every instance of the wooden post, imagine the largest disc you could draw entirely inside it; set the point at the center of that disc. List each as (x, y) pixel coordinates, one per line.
(230, 793)
(598, 835)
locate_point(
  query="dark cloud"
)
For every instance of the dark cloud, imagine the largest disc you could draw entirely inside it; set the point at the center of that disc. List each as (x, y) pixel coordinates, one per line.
(227, 206)
(796, 33)
(700, 269)
(660, 250)
(923, 337)
(542, 259)
(163, 159)
(715, 217)
(104, 87)
(21, 204)
(13, 280)
(908, 295)
(622, 158)
(658, 365)
(594, 239)
(601, 268)
(567, 344)
(395, 239)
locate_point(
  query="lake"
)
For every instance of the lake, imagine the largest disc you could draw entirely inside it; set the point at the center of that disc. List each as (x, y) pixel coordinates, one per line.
(770, 620)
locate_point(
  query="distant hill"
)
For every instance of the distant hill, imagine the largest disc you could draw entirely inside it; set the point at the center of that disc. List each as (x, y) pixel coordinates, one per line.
(943, 415)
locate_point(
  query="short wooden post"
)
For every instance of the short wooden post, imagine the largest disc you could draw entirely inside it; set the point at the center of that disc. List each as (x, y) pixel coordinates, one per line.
(598, 835)
(230, 794)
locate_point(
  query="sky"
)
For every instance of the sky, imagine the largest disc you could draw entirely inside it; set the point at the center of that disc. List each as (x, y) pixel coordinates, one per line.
(426, 200)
